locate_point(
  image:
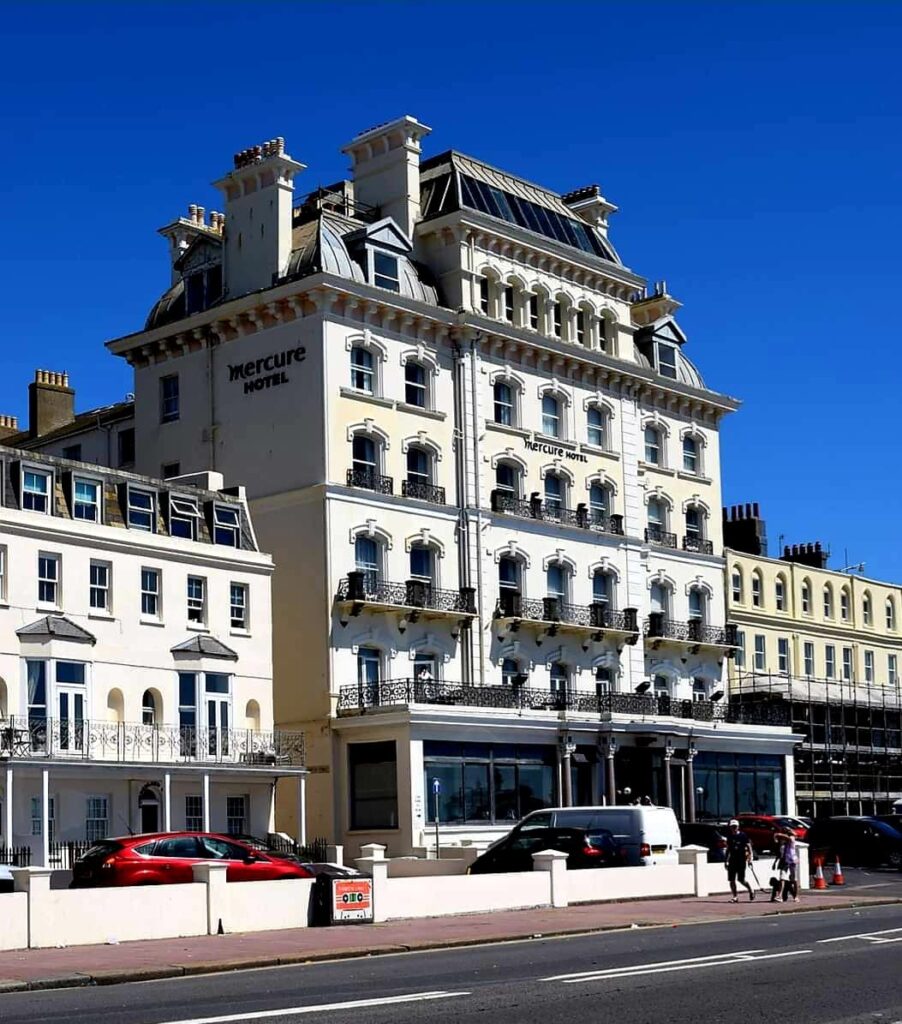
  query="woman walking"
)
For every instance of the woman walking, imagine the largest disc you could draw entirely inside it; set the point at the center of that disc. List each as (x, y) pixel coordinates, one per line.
(789, 858)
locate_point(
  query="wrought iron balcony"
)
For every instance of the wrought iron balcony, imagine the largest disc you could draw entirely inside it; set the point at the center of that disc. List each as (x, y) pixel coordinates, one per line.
(694, 632)
(692, 542)
(659, 536)
(363, 588)
(553, 611)
(394, 693)
(423, 492)
(370, 481)
(85, 740)
(583, 517)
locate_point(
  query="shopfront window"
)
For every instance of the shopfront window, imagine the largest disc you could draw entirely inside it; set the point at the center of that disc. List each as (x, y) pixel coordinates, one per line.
(373, 769)
(736, 783)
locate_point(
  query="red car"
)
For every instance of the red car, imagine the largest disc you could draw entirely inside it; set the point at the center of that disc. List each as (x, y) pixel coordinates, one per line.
(158, 858)
(761, 828)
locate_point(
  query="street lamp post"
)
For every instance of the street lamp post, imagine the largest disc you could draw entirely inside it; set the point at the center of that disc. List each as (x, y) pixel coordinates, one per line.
(690, 757)
(610, 751)
(568, 748)
(668, 784)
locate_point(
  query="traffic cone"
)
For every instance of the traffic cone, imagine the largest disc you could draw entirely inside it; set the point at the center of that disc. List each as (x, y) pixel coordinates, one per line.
(838, 878)
(819, 881)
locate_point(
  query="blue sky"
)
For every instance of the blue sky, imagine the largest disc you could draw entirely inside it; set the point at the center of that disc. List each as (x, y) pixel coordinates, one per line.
(753, 149)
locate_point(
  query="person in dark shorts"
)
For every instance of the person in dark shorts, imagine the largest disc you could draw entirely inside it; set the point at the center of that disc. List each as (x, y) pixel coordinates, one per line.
(739, 854)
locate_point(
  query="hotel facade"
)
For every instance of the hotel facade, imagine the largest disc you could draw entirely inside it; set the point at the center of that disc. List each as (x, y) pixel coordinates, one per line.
(489, 477)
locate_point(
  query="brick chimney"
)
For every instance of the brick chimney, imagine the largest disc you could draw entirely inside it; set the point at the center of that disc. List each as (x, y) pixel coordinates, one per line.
(386, 166)
(9, 425)
(51, 402)
(806, 554)
(591, 206)
(744, 529)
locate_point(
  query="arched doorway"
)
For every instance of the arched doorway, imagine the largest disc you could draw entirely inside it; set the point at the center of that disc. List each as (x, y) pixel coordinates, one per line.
(149, 807)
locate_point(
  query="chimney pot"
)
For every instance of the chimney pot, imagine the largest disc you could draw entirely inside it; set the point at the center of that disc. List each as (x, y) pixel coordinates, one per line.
(755, 512)
(51, 402)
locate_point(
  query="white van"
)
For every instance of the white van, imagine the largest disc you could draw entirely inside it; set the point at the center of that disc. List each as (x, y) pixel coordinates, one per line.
(649, 835)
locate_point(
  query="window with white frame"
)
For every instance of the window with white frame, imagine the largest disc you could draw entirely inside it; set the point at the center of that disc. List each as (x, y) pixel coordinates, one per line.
(657, 519)
(695, 527)
(142, 509)
(756, 589)
(184, 515)
(697, 604)
(194, 813)
(555, 494)
(422, 563)
(653, 447)
(150, 593)
(97, 818)
(484, 297)
(828, 602)
(369, 666)
(659, 599)
(169, 398)
(760, 653)
(556, 579)
(691, 455)
(582, 326)
(844, 605)
(866, 615)
(551, 416)
(783, 655)
(557, 318)
(847, 665)
(226, 526)
(419, 473)
(37, 817)
(363, 370)
(892, 669)
(425, 667)
(780, 594)
(808, 657)
(364, 460)
(666, 360)
(197, 599)
(532, 310)
(891, 615)
(507, 479)
(661, 686)
(367, 559)
(739, 656)
(49, 571)
(149, 712)
(238, 605)
(602, 588)
(597, 427)
(511, 672)
(4, 570)
(236, 815)
(385, 271)
(36, 490)
(806, 598)
(99, 597)
(736, 586)
(699, 690)
(599, 502)
(416, 386)
(560, 677)
(507, 295)
(86, 500)
(830, 661)
(505, 409)
(509, 572)
(869, 666)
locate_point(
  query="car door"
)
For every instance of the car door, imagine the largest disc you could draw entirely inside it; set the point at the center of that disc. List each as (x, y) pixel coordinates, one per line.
(173, 859)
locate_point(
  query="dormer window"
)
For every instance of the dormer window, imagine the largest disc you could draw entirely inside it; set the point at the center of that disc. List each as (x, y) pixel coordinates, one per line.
(36, 491)
(86, 500)
(226, 526)
(141, 509)
(385, 271)
(667, 365)
(202, 289)
(183, 518)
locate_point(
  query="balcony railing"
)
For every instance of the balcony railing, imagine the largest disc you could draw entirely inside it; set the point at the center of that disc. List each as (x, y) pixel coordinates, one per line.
(366, 588)
(393, 693)
(583, 517)
(371, 481)
(659, 536)
(67, 739)
(692, 542)
(423, 492)
(657, 627)
(553, 610)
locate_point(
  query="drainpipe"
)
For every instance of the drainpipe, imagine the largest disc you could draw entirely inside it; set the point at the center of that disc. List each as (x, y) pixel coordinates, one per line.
(212, 341)
(478, 501)
(463, 547)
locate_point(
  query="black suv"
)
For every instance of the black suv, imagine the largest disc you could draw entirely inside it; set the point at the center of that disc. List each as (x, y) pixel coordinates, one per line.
(708, 834)
(587, 848)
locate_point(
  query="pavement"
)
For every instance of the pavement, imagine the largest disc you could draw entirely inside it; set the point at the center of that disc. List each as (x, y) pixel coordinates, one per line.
(170, 958)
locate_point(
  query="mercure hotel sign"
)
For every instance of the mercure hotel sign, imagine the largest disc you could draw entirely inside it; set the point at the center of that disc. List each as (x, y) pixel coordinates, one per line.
(267, 371)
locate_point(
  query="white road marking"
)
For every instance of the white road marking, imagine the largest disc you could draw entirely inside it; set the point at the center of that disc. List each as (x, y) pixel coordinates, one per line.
(657, 963)
(354, 1004)
(695, 964)
(869, 936)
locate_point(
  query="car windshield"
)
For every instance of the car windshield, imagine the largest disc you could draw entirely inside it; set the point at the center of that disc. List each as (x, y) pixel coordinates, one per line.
(791, 823)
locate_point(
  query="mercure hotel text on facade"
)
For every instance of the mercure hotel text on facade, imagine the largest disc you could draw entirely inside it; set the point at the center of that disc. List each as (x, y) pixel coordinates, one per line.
(489, 477)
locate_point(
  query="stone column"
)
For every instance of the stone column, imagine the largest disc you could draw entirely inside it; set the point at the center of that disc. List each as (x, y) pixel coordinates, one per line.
(555, 863)
(214, 876)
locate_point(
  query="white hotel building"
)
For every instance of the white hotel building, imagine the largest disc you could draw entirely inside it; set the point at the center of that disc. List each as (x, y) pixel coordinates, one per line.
(489, 477)
(135, 658)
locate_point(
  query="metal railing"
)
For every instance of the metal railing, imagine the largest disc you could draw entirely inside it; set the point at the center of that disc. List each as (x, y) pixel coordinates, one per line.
(692, 542)
(423, 492)
(513, 605)
(16, 856)
(392, 693)
(64, 854)
(82, 739)
(657, 627)
(371, 481)
(658, 535)
(366, 587)
(583, 517)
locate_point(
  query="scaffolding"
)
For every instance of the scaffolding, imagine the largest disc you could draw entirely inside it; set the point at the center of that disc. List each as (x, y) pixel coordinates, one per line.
(850, 761)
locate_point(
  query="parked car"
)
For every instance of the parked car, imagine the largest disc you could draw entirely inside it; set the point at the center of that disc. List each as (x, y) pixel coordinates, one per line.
(155, 859)
(761, 829)
(708, 834)
(6, 878)
(858, 841)
(586, 848)
(266, 845)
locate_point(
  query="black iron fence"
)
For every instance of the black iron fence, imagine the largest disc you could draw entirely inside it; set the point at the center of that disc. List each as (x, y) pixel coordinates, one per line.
(371, 481)
(661, 537)
(658, 627)
(598, 615)
(423, 491)
(363, 587)
(583, 517)
(692, 542)
(64, 854)
(16, 856)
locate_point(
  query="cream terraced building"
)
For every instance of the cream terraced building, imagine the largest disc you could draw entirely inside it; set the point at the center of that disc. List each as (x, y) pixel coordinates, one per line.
(489, 476)
(135, 659)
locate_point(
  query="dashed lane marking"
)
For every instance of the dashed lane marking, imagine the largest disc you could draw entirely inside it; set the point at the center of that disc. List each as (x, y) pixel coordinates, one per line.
(670, 966)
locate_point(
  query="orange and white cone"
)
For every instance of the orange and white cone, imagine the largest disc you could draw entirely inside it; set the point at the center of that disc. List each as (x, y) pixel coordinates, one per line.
(838, 878)
(819, 881)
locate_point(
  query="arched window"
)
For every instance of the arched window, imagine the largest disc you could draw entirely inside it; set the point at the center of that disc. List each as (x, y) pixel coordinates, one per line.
(507, 480)
(368, 560)
(696, 527)
(604, 681)
(691, 455)
(252, 716)
(149, 710)
(551, 416)
(699, 690)
(419, 476)
(560, 678)
(484, 296)
(557, 578)
(780, 594)
(369, 666)
(806, 597)
(508, 303)
(509, 573)
(363, 370)
(599, 502)
(422, 563)
(505, 404)
(866, 609)
(603, 588)
(584, 326)
(828, 602)
(597, 427)
(891, 614)
(532, 312)
(416, 384)
(511, 673)
(659, 598)
(736, 587)
(657, 521)
(557, 318)
(654, 452)
(698, 604)
(844, 604)
(365, 463)
(555, 494)
(661, 686)
(757, 589)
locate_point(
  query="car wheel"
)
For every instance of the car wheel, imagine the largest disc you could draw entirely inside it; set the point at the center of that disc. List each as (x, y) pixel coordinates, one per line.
(895, 860)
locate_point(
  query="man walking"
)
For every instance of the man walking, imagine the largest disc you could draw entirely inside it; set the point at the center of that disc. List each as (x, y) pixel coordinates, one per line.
(739, 856)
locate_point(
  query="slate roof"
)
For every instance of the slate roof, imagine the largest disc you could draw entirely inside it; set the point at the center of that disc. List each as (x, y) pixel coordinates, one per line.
(57, 626)
(207, 646)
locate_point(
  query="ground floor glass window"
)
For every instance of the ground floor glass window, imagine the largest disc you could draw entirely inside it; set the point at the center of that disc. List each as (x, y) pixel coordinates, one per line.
(734, 783)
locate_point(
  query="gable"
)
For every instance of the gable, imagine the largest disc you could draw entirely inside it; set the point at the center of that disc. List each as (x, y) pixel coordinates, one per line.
(384, 234)
(199, 254)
